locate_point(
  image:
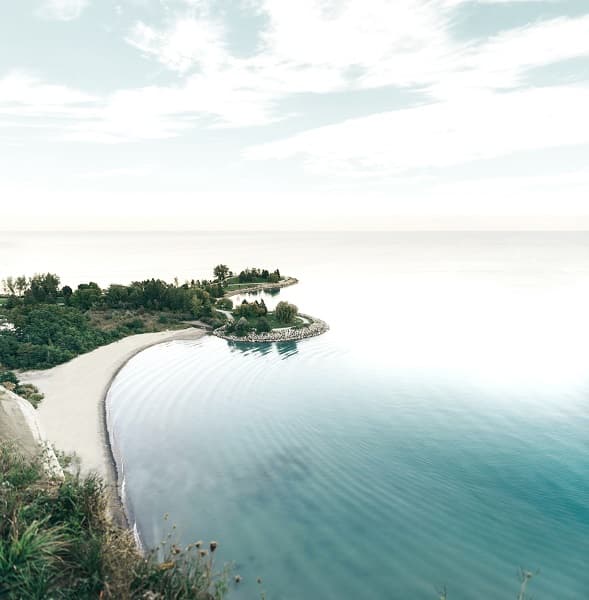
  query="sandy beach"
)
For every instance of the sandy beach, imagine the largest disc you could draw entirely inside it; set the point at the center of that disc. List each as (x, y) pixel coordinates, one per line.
(72, 412)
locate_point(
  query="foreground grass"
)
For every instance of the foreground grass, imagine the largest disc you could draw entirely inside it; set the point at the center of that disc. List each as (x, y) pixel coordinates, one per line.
(56, 541)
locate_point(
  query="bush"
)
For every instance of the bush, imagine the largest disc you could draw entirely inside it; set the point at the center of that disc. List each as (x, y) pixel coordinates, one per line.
(25, 390)
(215, 323)
(225, 303)
(263, 325)
(47, 335)
(8, 376)
(242, 327)
(135, 325)
(56, 541)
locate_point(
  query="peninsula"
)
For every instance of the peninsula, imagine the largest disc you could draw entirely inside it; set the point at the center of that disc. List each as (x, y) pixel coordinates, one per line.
(60, 349)
(67, 345)
(44, 324)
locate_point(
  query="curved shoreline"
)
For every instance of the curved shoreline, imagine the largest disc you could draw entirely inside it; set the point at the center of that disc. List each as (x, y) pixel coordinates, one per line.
(73, 412)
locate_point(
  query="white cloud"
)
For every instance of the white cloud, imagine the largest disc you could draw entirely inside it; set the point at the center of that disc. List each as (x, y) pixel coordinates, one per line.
(24, 95)
(62, 10)
(442, 134)
(313, 46)
(502, 61)
(187, 42)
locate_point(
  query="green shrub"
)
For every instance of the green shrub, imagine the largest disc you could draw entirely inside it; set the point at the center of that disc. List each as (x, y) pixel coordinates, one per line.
(225, 303)
(57, 542)
(135, 325)
(215, 323)
(25, 390)
(262, 325)
(242, 327)
(8, 376)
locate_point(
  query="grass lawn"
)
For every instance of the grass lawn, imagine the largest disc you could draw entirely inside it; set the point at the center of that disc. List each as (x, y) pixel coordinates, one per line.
(239, 286)
(232, 283)
(107, 320)
(275, 323)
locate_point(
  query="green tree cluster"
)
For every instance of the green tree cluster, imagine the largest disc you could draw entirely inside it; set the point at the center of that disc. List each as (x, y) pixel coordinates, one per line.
(286, 312)
(251, 310)
(255, 275)
(46, 335)
(53, 324)
(41, 288)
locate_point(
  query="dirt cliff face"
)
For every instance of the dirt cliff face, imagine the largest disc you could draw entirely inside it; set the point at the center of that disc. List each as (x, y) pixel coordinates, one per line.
(19, 424)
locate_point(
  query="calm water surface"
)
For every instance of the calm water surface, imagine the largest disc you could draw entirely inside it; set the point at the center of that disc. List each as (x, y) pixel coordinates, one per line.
(436, 435)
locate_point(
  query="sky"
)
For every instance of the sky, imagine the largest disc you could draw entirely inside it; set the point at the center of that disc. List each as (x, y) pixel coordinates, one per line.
(314, 114)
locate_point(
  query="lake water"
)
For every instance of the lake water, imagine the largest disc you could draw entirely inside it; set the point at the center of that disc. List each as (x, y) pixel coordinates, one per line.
(437, 434)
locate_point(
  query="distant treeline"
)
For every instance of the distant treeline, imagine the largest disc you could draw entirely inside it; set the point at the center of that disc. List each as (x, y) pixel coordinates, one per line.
(258, 276)
(152, 294)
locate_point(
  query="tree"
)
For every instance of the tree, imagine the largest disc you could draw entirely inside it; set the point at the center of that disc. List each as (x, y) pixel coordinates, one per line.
(242, 326)
(86, 296)
(286, 312)
(9, 286)
(42, 289)
(66, 292)
(22, 285)
(253, 309)
(15, 287)
(221, 272)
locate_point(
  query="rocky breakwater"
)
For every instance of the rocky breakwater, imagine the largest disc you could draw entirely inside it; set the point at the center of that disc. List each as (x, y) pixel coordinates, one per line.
(287, 334)
(260, 287)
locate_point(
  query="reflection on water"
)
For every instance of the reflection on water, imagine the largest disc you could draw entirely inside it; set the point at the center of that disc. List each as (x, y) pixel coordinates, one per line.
(284, 349)
(287, 349)
(268, 296)
(249, 347)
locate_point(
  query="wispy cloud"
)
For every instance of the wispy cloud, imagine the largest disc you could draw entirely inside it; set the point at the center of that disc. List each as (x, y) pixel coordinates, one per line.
(308, 47)
(26, 96)
(317, 47)
(61, 10)
(441, 134)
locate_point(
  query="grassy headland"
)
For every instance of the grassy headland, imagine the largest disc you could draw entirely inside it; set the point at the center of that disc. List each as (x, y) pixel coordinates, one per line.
(46, 324)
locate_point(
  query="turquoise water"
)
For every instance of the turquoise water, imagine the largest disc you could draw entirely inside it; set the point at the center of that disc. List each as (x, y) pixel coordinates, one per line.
(436, 435)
